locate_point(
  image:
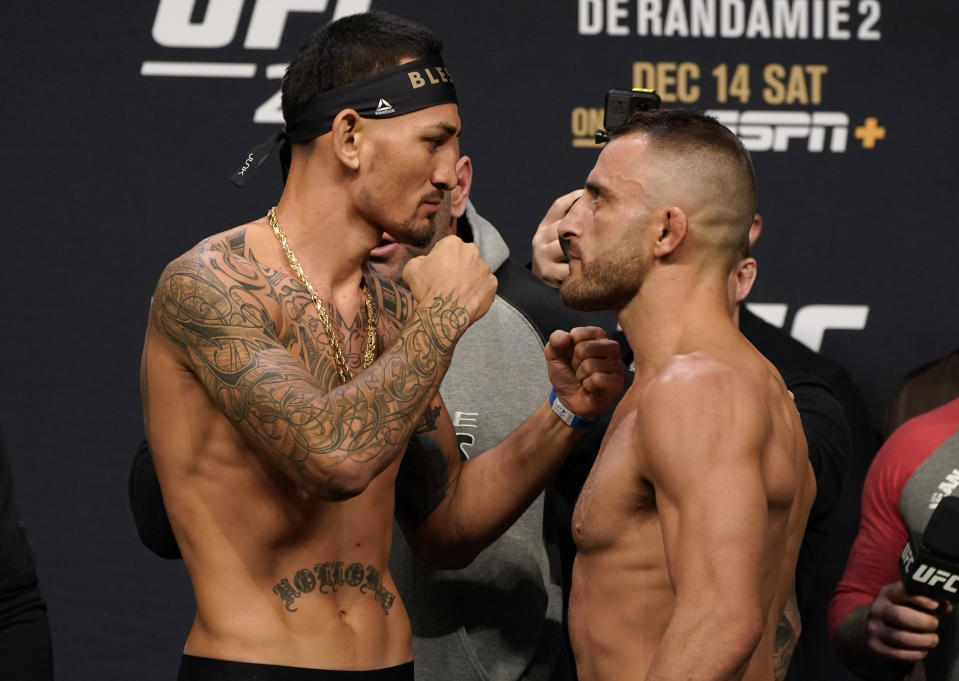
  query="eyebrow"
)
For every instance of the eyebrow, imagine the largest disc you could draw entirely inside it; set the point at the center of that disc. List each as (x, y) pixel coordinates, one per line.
(448, 128)
(595, 189)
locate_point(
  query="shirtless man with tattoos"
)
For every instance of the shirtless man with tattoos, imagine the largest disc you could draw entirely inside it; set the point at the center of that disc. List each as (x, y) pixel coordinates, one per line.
(689, 525)
(283, 380)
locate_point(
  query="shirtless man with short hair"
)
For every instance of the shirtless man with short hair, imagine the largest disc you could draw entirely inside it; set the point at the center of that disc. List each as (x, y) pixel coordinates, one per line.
(282, 379)
(689, 525)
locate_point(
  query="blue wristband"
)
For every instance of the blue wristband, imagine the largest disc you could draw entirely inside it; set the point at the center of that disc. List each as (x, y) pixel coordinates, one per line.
(566, 415)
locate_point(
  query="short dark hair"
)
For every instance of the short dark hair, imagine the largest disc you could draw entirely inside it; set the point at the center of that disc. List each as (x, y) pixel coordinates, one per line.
(350, 49)
(697, 135)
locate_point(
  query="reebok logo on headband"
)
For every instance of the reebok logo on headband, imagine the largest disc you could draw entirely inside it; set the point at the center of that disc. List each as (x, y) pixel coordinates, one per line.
(384, 108)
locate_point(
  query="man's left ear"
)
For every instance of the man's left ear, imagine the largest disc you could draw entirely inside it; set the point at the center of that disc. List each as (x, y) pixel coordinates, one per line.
(344, 138)
(745, 274)
(461, 192)
(672, 231)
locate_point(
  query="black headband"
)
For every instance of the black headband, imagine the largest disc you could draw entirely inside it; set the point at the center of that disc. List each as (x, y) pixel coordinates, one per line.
(409, 87)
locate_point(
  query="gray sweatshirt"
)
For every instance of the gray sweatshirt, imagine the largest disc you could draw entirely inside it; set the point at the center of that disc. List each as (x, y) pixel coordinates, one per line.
(500, 619)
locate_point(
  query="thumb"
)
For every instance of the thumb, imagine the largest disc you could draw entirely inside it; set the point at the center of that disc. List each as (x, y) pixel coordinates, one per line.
(559, 347)
(409, 270)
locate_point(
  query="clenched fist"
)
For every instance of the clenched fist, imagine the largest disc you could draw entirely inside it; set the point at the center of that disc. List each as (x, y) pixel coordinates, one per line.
(585, 369)
(455, 273)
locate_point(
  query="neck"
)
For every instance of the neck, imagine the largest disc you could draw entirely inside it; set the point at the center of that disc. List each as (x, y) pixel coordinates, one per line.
(330, 239)
(674, 311)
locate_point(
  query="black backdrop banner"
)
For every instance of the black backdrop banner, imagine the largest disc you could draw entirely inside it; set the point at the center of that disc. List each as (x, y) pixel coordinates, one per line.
(122, 123)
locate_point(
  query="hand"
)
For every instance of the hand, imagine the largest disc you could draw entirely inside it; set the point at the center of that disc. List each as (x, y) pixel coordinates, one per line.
(897, 630)
(453, 271)
(585, 369)
(549, 261)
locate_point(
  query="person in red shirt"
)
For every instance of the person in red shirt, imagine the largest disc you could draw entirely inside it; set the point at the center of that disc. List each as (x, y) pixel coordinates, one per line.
(876, 626)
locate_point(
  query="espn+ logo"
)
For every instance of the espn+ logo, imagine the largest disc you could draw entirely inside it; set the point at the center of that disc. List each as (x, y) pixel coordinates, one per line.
(773, 130)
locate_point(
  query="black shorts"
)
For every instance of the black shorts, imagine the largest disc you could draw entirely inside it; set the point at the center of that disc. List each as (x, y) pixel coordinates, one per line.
(194, 668)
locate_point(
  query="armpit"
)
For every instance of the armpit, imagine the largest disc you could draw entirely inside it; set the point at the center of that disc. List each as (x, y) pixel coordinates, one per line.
(421, 482)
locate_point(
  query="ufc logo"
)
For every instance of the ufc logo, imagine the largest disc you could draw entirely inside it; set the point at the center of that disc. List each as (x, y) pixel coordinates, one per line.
(174, 25)
(932, 576)
(811, 322)
(908, 558)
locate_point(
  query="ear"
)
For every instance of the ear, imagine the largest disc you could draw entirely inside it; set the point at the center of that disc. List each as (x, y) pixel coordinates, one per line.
(745, 274)
(755, 229)
(461, 192)
(345, 138)
(672, 232)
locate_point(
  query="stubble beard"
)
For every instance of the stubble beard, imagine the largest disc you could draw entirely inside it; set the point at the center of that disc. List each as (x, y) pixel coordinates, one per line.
(411, 247)
(609, 283)
(415, 235)
(408, 231)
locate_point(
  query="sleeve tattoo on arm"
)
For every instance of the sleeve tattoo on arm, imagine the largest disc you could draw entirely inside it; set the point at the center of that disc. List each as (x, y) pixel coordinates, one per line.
(212, 303)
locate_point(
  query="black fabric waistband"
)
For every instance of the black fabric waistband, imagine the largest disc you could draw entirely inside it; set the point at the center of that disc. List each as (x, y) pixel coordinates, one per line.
(193, 668)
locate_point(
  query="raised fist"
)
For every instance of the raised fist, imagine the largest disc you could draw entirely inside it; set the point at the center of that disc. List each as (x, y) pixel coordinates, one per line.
(585, 369)
(455, 274)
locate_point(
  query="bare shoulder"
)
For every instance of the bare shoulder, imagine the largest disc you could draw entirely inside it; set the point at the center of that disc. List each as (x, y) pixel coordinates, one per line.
(216, 284)
(697, 381)
(697, 407)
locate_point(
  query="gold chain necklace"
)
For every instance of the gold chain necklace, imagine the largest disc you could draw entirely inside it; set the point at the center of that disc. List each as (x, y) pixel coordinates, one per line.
(339, 361)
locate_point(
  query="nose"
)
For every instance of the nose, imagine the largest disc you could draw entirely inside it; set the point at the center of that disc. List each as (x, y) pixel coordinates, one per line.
(571, 226)
(444, 175)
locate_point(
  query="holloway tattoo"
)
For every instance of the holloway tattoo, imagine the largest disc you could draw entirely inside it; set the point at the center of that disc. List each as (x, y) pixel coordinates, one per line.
(326, 578)
(253, 338)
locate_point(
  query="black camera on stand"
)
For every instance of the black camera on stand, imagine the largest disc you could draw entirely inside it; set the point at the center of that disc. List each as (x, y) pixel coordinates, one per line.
(620, 104)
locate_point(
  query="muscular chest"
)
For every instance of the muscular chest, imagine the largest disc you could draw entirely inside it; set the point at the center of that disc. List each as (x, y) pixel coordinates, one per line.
(615, 500)
(323, 345)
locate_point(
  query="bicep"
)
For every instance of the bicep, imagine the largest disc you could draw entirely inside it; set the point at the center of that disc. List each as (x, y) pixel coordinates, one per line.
(214, 309)
(714, 526)
(704, 457)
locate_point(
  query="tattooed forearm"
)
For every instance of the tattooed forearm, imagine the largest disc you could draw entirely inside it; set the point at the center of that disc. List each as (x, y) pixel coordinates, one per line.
(283, 394)
(444, 321)
(328, 577)
(787, 636)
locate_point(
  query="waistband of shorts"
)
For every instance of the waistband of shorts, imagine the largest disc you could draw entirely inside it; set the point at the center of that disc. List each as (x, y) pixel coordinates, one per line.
(194, 668)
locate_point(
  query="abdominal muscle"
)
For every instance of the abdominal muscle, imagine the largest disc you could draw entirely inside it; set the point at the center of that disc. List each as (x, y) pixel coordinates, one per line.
(280, 577)
(620, 606)
(345, 630)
